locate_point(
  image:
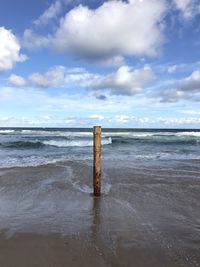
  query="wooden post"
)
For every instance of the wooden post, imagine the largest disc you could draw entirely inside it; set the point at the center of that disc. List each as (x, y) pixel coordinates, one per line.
(97, 161)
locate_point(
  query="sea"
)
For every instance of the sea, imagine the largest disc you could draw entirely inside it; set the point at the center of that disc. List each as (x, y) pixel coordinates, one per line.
(26, 147)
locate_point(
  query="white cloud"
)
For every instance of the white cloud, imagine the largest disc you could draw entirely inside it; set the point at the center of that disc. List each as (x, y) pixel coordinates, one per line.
(107, 33)
(172, 95)
(96, 117)
(179, 121)
(122, 118)
(186, 88)
(80, 77)
(190, 112)
(107, 121)
(32, 40)
(115, 28)
(188, 8)
(125, 81)
(65, 109)
(172, 69)
(40, 102)
(17, 80)
(191, 84)
(52, 12)
(55, 77)
(9, 50)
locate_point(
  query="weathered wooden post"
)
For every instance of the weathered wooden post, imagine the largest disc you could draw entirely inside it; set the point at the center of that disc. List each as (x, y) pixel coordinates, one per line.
(97, 161)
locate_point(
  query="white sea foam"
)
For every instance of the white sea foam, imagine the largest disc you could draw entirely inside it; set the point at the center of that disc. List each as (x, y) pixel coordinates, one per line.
(192, 134)
(75, 143)
(31, 161)
(6, 131)
(136, 134)
(89, 190)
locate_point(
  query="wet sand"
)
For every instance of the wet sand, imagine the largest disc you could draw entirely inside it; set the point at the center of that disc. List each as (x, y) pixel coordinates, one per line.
(54, 251)
(146, 216)
(47, 251)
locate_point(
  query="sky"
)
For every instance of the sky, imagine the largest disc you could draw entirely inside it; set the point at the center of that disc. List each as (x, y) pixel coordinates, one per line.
(130, 64)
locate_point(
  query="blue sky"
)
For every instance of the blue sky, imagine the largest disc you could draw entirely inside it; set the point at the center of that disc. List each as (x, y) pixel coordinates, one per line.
(67, 63)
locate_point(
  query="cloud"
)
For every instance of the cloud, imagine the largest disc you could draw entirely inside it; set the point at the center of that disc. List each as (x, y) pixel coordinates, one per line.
(172, 95)
(186, 88)
(17, 80)
(52, 12)
(32, 40)
(172, 69)
(191, 83)
(108, 33)
(125, 81)
(9, 50)
(101, 97)
(80, 77)
(114, 61)
(122, 118)
(40, 102)
(190, 112)
(179, 121)
(188, 8)
(105, 121)
(134, 28)
(76, 110)
(96, 117)
(55, 77)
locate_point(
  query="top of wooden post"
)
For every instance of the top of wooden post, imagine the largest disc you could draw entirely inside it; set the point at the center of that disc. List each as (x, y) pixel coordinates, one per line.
(97, 129)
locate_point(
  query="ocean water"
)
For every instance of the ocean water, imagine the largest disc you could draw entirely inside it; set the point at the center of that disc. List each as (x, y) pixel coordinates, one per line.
(35, 147)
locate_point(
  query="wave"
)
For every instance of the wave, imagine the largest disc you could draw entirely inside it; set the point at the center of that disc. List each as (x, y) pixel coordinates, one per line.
(30, 161)
(55, 143)
(35, 161)
(157, 140)
(76, 143)
(192, 134)
(152, 134)
(6, 131)
(22, 144)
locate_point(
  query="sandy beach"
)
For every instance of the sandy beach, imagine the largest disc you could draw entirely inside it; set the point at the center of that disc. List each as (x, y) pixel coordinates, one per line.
(146, 217)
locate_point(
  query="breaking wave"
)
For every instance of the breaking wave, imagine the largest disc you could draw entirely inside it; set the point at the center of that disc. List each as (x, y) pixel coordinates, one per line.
(74, 143)
(6, 131)
(55, 143)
